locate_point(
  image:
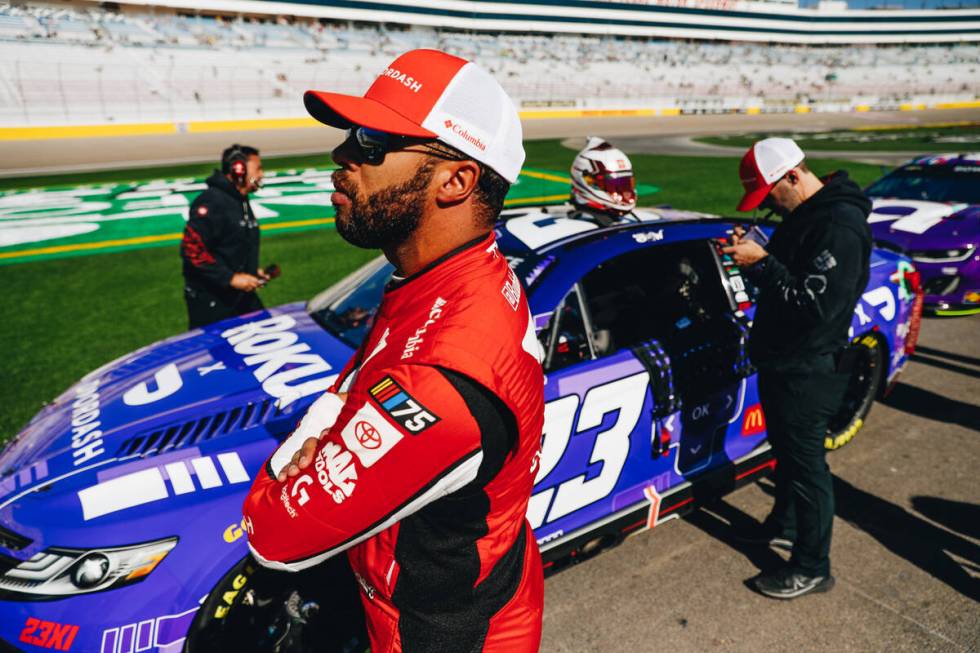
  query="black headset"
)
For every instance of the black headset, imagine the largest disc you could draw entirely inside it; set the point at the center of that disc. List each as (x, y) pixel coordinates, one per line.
(234, 163)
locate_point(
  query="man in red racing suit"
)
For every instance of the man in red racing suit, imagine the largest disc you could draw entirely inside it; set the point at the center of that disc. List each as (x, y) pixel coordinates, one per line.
(427, 442)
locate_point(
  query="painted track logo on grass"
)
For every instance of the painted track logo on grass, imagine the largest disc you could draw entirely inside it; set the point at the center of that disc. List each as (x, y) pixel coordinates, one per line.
(55, 222)
(64, 221)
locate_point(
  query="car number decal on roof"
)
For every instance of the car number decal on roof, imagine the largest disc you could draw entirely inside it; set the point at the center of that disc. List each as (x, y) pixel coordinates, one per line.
(912, 216)
(539, 229)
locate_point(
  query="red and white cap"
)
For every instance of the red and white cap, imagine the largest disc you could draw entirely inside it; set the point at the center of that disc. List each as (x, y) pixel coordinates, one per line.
(763, 165)
(431, 94)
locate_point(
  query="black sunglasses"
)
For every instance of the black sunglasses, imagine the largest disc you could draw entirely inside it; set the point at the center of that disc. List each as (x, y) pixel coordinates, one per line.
(375, 144)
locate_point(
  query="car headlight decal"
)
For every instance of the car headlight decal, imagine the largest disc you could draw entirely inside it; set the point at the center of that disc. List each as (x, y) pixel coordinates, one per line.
(91, 570)
(59, 572)
(943, 255)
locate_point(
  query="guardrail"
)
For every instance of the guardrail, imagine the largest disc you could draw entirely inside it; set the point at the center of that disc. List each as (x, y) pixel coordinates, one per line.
(63, 131)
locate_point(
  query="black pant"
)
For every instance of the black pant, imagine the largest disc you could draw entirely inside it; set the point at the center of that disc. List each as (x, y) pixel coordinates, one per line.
(798, 403)
(205, 308)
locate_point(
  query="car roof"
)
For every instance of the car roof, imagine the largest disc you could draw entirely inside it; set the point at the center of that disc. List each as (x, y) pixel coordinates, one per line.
(534, 232)
(536, 241)
(952, 160)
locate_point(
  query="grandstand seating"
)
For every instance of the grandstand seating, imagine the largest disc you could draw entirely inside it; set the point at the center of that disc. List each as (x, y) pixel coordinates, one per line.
(82, 65)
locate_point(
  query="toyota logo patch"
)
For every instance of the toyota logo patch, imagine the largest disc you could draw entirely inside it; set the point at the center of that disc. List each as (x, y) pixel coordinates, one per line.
(367, 435)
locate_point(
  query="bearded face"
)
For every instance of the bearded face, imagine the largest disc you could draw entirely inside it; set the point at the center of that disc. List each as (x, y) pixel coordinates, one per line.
(385, 218)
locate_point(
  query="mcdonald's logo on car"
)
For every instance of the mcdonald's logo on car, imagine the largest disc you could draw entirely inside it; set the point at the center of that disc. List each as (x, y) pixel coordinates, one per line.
(754, 421)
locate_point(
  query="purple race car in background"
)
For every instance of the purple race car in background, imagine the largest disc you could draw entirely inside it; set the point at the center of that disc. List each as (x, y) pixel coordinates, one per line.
(929, 209)
(120, 502)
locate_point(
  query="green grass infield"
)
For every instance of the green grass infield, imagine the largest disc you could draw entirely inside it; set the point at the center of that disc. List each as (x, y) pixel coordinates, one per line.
(938, 139)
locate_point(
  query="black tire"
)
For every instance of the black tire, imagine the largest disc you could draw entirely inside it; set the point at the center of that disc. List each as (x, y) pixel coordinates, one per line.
(244, 612)
(862, 390)
(209, 631)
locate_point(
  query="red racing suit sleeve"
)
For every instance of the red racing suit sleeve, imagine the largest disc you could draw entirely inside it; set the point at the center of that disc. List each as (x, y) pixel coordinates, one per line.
(404, 438)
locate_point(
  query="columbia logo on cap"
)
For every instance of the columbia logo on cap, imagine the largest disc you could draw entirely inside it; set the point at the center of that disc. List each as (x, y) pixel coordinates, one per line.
(464, 134)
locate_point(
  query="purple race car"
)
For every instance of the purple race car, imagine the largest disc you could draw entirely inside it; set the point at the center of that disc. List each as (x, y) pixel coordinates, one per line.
(120, 502)
(929, 209)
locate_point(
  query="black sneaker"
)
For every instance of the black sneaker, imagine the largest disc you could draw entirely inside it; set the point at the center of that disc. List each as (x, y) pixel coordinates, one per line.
(764, 535)
(789, 584)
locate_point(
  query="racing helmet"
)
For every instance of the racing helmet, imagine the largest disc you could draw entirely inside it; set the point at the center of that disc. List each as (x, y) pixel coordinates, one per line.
(602, 178)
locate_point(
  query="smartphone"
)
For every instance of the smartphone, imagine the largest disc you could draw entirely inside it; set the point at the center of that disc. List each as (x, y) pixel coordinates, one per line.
(756, 235)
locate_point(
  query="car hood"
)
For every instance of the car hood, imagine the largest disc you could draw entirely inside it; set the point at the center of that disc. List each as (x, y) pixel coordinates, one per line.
(921, 225)
(254, 374)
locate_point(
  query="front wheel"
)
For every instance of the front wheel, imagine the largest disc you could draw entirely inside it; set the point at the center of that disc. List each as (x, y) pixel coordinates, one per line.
(862, 389)
(254, 610)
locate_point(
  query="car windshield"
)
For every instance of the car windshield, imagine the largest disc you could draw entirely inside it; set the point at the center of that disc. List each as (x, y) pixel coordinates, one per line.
(347, 308)
(932, 183)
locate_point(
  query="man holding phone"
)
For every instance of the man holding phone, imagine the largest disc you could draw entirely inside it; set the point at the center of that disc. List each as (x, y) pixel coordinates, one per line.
(220, 247)
(810, 276)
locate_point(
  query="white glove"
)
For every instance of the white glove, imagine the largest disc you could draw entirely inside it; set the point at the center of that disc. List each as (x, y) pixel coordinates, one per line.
(322, 414)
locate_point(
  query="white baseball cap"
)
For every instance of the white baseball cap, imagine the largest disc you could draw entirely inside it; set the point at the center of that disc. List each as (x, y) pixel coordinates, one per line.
(763, 166)
(431, 94)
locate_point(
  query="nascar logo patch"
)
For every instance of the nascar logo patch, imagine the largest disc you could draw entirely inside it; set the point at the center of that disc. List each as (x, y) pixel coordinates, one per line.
(402, 408)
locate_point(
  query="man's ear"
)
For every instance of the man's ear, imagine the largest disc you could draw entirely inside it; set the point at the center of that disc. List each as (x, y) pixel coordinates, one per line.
(457, 180)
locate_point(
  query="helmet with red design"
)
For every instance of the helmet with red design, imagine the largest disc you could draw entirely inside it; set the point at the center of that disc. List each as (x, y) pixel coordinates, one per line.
(602, 179)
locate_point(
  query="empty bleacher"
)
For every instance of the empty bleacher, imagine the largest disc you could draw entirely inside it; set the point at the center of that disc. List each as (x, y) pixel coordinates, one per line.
(65, 64)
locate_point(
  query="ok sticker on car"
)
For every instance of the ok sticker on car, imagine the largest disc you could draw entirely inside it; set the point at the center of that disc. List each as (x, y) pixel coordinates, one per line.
(402, 408)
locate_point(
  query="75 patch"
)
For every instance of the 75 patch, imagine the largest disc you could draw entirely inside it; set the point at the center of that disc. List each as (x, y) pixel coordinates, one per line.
(402, 408)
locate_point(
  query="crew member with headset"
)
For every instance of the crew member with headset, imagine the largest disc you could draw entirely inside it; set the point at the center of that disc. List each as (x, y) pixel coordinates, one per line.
(810, 276)
(220, 247)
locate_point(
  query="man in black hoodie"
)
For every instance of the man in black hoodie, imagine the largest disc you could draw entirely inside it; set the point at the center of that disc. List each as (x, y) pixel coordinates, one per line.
(220, 248)
(810, 276)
